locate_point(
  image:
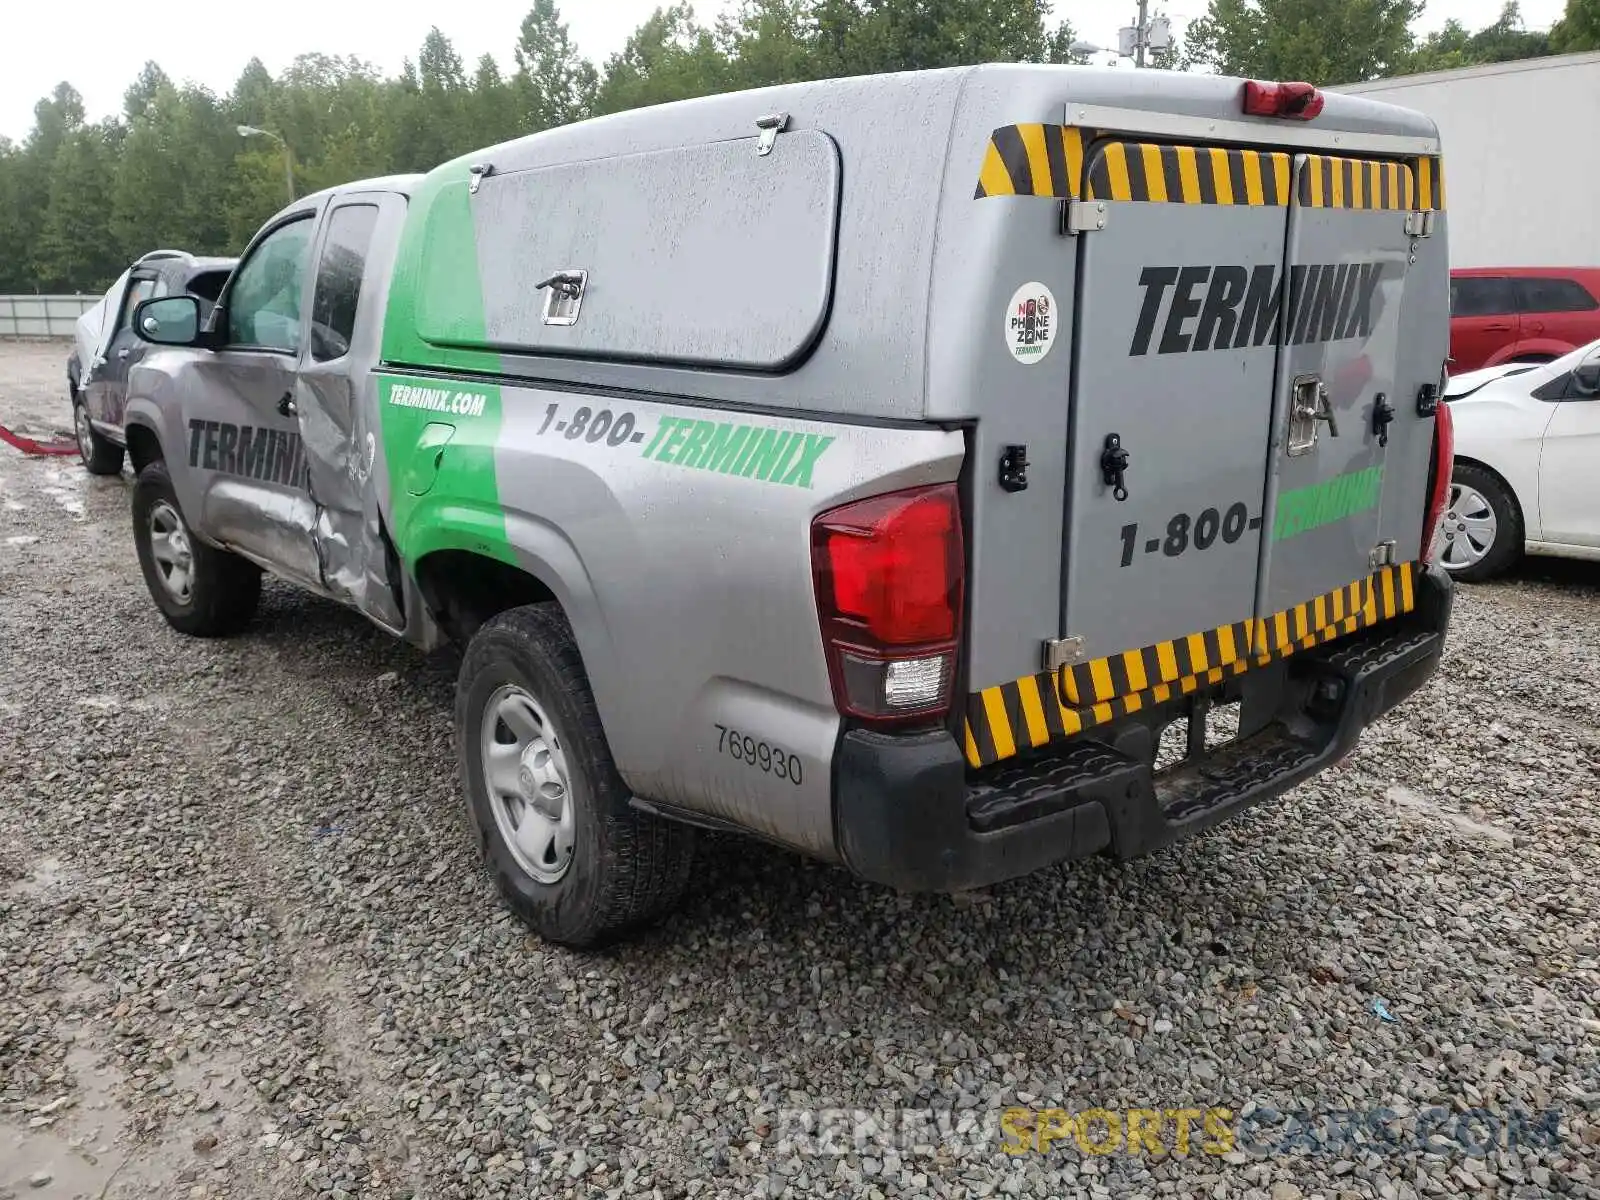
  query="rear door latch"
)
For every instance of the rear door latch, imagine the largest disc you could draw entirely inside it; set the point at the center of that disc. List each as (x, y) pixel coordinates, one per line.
(1382, 415)
(1113, 464)
(1308, 405)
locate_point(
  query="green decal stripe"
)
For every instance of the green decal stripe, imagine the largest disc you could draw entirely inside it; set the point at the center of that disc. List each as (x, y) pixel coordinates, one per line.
(1304, 509)
(779, 456)
(439, 437)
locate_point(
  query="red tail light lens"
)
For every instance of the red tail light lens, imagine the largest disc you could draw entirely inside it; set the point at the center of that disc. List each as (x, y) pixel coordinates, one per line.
(889, 575)
(1441, 468)
(1292, 101)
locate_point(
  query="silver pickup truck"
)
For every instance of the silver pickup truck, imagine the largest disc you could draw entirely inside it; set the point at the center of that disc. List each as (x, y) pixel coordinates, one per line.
(942, 474)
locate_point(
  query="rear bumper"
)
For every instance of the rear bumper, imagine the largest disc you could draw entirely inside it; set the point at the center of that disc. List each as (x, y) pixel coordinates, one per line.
(908, 813)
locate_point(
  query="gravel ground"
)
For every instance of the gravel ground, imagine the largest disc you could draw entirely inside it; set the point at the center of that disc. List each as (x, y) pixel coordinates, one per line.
(246, 950)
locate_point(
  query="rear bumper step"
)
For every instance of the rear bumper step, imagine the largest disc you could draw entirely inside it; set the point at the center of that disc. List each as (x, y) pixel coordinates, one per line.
(909, 814)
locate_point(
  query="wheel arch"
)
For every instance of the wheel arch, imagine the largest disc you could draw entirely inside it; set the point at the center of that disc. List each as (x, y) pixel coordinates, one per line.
(465, 580)
(144, 445)
(1547, 349)
(1467, 460)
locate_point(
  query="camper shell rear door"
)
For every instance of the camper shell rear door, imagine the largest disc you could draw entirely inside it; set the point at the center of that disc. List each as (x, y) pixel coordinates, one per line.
(1246, 446)
(1171, 411)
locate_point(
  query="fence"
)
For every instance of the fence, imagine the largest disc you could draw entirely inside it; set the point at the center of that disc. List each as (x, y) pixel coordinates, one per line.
(42, 316)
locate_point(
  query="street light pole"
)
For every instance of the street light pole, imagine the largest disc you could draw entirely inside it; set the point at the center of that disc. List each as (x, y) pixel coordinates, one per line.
(288, 156)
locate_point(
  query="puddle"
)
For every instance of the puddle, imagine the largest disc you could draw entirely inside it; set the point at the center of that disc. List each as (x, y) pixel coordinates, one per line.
(109, 703)
(46, 873)
(62, 486)
(1407, 800)
(71, 1139)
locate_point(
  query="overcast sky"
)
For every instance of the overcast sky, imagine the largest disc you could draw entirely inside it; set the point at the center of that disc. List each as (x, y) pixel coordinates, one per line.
(99, 45)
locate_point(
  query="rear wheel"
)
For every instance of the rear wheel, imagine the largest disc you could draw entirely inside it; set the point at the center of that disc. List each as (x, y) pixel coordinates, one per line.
(202, 591)
(568, 853)
(1481, 532)
(100, 455)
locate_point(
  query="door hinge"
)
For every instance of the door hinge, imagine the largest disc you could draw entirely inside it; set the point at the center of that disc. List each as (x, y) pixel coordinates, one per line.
(1383, 555)
(1419, 224)
(771, 126)
(1428, 399)
(1014, 469)
(1062, 652)
(1083, 216)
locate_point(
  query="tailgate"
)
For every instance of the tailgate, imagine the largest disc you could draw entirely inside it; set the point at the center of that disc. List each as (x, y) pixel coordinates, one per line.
(1248, 467)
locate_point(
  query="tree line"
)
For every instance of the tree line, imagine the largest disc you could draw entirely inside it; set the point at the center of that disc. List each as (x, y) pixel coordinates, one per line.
(80, 199)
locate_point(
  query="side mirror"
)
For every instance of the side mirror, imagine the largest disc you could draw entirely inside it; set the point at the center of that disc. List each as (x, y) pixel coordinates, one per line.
(1586, 375)
(169, 321)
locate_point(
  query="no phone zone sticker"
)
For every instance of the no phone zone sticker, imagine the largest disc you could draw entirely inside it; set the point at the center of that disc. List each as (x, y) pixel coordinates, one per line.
(1031, 323)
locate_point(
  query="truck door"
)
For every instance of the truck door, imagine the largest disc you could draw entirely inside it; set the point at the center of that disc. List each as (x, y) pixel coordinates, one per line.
(106, 384)
(353, 260)
(1345, 368)
(1176, 353)
(243, 441)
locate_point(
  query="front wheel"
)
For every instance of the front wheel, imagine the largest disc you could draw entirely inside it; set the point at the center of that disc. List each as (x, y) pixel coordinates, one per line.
(1481, 533)
(568, 853)
(201, 590)
(100, 455)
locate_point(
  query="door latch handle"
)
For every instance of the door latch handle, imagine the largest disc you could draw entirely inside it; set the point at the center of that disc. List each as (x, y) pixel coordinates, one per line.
(1113, 464)
(286, 405)
(1382, 415)
(1309, 404)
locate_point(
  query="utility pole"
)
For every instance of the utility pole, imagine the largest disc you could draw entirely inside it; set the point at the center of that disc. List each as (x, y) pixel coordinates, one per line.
(1134, 41)
(288, 155)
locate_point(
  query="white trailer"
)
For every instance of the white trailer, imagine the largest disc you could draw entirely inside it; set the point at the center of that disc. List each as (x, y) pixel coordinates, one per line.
(1522, 181)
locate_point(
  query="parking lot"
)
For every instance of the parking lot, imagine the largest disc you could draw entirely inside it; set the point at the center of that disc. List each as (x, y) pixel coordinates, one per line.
(246, 949)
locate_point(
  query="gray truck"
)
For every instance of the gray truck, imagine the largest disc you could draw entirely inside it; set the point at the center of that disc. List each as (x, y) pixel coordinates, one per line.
(943, 474)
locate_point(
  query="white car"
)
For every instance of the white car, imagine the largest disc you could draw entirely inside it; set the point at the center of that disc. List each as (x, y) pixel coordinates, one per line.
(1527, 473)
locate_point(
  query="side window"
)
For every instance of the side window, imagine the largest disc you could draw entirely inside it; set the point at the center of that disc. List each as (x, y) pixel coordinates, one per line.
(338, 290)
(1474, 296)
(264, 301)
(1553, 296)
(139, 290)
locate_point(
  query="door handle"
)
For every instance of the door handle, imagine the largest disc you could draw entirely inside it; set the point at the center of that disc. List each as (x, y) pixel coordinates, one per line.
(123, 353)
(286, 405)
(1497, 329)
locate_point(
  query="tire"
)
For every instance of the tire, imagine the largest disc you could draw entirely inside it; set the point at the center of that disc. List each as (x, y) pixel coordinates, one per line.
(620, 868)
(1474, 489)
(100, 456)
(222, 589)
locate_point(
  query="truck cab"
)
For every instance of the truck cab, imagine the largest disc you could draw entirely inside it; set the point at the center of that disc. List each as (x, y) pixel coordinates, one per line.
(1060, 480)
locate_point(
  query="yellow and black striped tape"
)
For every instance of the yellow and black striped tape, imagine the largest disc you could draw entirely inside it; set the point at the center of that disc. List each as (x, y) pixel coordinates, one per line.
(1048, 160)
(1327, 182)
(1430, 183)
(1032, 160)
(1039, 709)
(1140, 171)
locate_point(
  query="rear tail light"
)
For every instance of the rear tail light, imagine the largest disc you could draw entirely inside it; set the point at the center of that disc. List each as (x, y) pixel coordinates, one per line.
(1292, 101)
(889, 576)
(1440, 469)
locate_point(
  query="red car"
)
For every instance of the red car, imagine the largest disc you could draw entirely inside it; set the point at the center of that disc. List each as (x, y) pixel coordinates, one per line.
(1516, 314)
